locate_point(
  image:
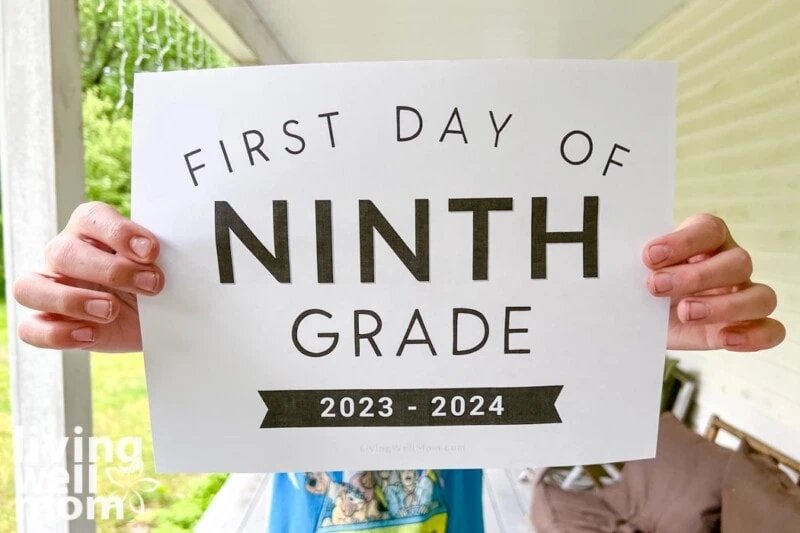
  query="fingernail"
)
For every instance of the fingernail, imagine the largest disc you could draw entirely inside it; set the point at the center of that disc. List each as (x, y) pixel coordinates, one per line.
(662, 282)
(659, 253)
(697, 310)
(83, 334)
(734, 339)
(141, 246)
(146, 281)
(98, 308)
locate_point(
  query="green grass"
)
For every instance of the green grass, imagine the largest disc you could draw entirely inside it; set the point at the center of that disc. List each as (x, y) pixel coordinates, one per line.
(7, 512)
(119, 398)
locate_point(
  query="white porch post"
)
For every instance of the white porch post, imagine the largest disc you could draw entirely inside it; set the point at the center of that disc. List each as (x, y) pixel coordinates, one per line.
(41, 170)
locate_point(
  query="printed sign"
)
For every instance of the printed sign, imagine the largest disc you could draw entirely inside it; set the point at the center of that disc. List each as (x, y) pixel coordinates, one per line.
(404, 265)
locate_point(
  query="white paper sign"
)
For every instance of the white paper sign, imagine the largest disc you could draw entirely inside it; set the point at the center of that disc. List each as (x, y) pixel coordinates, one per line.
(404, 265)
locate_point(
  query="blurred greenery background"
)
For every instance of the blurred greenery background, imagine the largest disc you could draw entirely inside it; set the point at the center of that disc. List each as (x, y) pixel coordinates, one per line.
(118, 38)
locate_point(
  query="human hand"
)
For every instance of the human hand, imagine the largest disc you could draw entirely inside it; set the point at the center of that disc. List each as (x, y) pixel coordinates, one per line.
(714, 304)
(86, 297)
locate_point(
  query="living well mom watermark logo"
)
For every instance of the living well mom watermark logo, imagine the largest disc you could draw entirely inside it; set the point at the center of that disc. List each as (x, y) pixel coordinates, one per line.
(72, 492)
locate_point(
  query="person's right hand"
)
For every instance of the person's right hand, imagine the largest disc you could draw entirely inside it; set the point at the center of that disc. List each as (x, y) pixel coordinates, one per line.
(86, 297)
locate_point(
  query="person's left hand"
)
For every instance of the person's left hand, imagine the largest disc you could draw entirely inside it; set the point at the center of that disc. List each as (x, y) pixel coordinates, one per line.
(713, 302)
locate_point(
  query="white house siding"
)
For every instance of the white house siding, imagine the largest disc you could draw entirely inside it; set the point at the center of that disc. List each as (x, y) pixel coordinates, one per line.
(738, 156)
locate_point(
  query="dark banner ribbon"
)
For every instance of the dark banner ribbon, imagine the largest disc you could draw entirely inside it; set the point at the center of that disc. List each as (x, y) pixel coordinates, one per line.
(411, 407)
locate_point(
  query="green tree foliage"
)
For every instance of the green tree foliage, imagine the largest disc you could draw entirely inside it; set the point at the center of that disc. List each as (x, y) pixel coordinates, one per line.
(107, 153)
(118, 38)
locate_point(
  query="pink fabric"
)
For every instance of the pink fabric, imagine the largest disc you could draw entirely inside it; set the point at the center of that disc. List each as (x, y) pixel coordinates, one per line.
(757, 496)
(558, 511)
(680, 491)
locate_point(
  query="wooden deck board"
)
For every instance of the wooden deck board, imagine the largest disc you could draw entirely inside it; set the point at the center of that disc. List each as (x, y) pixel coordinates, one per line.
(523, 490)
(506, 497)
(490, 520)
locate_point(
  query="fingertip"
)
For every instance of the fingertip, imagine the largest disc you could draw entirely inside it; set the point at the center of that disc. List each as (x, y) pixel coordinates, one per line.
(661, 284)
(646, 258)
(43, 331)
(650, 286)
(144, 248)
(22, 332)
(19, 288)
(657, 254)
(753, 337)
(780, 333)
(156, 249)
(693, 311)
(104, 224)
(102, 310)
(115, 309)
(149, 282)
(682, 313)
(733, 339)
(83, 335)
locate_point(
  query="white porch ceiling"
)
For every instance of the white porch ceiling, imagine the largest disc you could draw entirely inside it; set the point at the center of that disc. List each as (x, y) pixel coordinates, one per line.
(368, 30)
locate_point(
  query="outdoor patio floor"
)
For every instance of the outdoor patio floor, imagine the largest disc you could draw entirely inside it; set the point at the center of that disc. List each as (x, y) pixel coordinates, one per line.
(242, 505)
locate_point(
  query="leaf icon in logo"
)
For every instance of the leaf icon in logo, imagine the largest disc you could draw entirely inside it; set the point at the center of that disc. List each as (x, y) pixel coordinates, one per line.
(131, 484)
